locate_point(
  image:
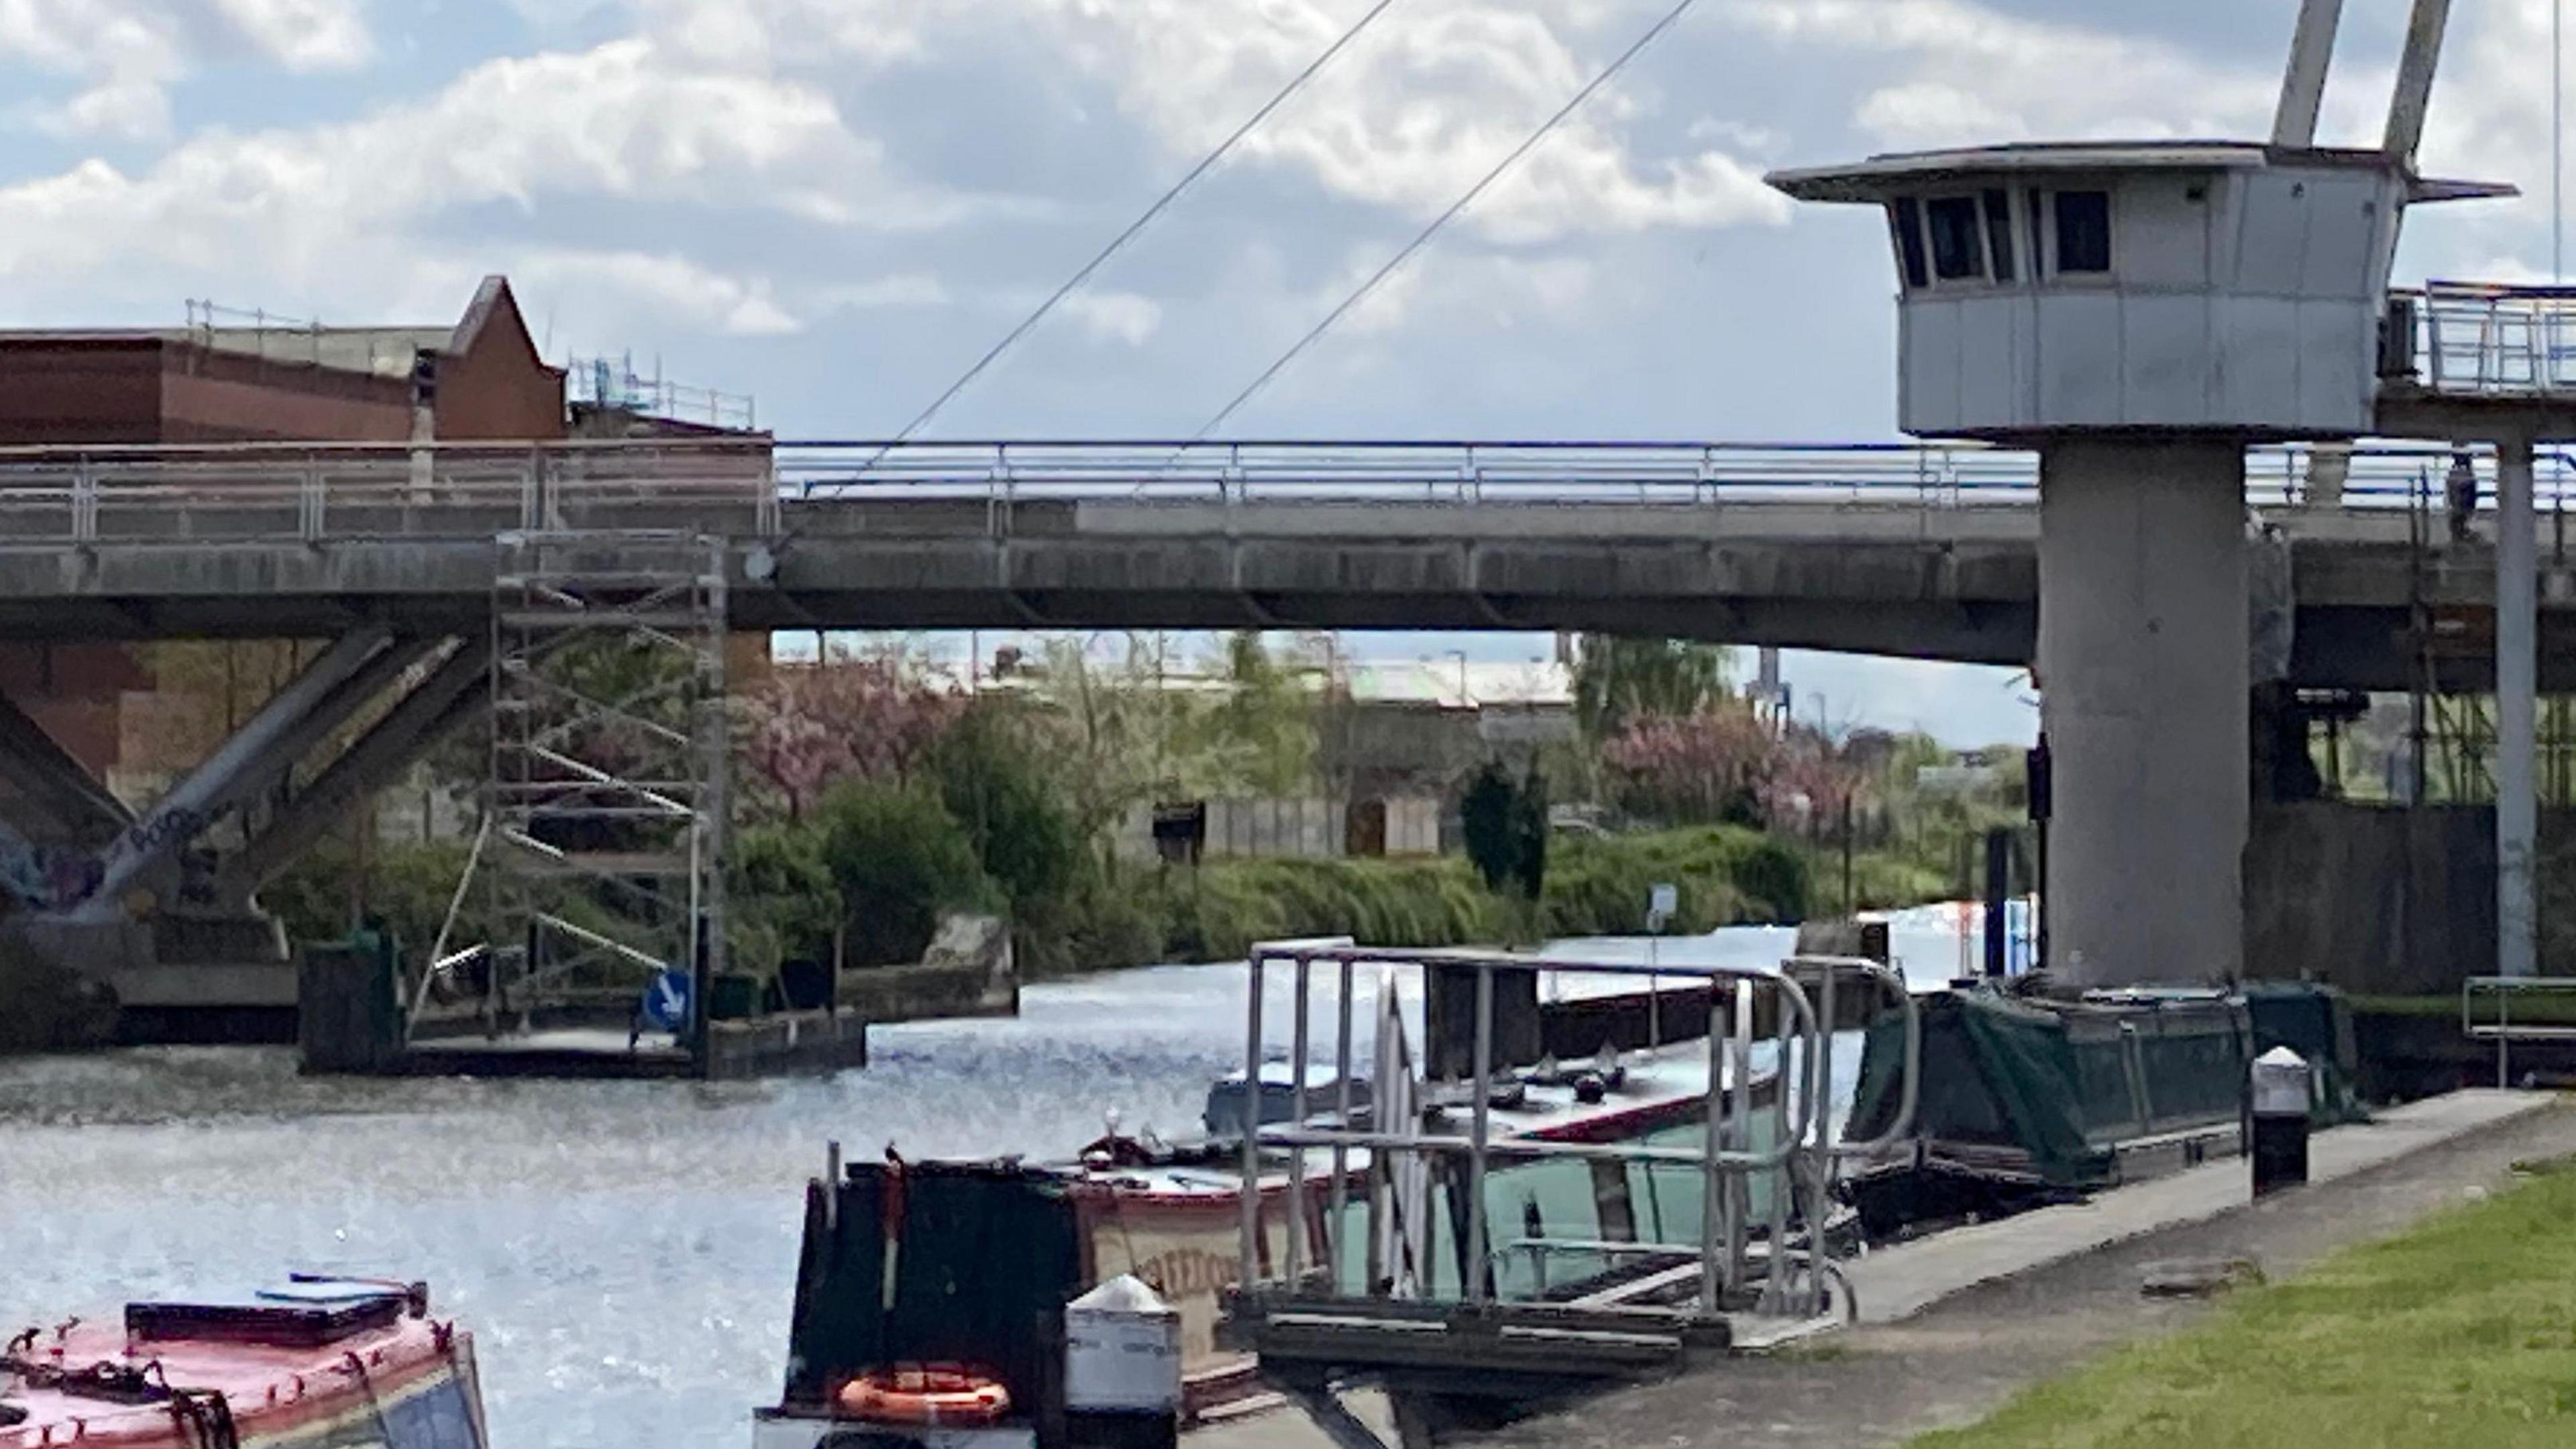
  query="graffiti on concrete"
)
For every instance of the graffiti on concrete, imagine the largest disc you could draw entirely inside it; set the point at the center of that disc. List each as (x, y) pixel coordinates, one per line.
(155, 832)
(47, 877)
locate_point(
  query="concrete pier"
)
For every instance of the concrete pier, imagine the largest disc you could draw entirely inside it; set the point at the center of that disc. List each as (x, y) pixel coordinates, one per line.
(2143, 678)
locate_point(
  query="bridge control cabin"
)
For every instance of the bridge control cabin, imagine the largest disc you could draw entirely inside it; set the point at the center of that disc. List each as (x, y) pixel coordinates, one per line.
(2183, 286)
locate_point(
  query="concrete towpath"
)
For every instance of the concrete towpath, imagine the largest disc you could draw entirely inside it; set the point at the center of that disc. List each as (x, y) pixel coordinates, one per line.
(1954, 1324)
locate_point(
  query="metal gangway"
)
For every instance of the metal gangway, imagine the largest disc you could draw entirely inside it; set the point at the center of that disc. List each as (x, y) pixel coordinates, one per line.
(1373, 1251)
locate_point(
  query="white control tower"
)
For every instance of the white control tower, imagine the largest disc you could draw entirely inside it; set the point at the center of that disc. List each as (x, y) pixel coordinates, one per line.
(2139, 313)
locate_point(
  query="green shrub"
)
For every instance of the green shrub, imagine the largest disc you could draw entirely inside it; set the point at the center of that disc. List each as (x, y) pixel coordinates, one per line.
(1773, 879)
(900, 861)
(408, 887)
(1003, 790)
(780, 899)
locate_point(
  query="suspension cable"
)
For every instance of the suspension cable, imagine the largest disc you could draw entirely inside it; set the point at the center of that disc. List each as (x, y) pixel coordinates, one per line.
(1397, 261)
(1137, 227)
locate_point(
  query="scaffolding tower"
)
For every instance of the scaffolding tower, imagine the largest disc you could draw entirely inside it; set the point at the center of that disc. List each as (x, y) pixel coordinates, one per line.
(608, 782)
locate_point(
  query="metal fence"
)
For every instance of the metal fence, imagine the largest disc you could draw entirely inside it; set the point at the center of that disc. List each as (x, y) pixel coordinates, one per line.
(2493, 341)
(1762, 1171)
(52, 497)
(614, 383)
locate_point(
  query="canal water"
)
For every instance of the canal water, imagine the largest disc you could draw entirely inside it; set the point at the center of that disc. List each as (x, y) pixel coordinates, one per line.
(623, 1251)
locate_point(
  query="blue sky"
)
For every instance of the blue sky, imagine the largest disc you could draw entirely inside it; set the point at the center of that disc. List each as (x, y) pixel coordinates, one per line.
(836, 204)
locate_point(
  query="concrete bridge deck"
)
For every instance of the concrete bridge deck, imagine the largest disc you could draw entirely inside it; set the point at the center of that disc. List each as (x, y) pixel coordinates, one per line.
(1924, 552)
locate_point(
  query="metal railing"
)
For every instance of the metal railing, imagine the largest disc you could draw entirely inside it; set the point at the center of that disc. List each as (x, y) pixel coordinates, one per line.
(312, 493)
(614, 383)
(1401, 1141)
(2477, 340)
(2503, 1030)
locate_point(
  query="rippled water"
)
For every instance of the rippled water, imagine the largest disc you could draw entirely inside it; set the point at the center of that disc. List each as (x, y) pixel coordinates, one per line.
(624, 1252)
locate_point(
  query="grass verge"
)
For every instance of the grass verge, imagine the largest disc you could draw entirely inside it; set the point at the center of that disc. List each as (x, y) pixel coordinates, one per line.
(2459, 1331)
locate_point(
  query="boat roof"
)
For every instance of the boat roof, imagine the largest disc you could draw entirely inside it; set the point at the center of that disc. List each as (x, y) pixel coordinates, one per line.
(1879, 176)
(270, 1386)
(1657, 1084)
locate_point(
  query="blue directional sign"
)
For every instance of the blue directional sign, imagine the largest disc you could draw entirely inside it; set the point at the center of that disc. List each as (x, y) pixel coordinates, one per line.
(666, 1001)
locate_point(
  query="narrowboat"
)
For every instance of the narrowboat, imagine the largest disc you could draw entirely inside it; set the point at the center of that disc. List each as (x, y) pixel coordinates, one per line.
(2029, 1098)
(968, 1266)
(317, 1363)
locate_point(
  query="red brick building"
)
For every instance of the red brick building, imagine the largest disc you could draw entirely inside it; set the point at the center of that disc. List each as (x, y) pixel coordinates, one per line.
(269, 382)
(205, 383)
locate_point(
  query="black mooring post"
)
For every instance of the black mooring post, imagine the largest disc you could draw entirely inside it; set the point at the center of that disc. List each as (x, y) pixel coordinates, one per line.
(1999, 844)
(2042, 802)
(2279, 1098)
(702, 984)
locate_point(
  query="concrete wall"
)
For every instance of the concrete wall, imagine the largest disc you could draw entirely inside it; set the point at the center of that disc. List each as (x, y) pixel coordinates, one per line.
(2377, 900)
(1298, 829)
(1307, 829)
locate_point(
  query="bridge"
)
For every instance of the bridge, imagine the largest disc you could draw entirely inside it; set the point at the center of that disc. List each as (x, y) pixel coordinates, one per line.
(400, 555)
(1920, 552)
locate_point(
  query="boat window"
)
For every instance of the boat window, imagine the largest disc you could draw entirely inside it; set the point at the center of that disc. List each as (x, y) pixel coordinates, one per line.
(2037, 214)
(1958, 252)
(1907, 218)
(1999, 233)
(2083, 231)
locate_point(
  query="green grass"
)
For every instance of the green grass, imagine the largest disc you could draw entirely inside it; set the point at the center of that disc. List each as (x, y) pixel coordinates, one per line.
(2461, 1331)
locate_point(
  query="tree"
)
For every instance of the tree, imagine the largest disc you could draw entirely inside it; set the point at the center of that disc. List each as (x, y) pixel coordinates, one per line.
(1261, 737)
(1485, 820)
(899, 860)
(1506, 827)
(1529, 833)
(782, 901)
(1119, 737)
(807, 727)
(997, 785)
(1809, 781)
(1617, 678)
(1710, 765)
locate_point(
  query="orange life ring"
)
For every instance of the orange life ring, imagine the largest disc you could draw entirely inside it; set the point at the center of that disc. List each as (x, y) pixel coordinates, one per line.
(917, 1393)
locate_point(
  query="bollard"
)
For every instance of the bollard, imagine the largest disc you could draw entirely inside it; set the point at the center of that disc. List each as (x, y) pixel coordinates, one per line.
(2280, 1147)
(1122, 1368)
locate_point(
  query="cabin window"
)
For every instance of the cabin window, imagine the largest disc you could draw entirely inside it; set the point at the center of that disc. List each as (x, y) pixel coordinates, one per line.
(1907, 218)
(2083, 231)
(1958, 250)
(1999, 232)
(2035, 211)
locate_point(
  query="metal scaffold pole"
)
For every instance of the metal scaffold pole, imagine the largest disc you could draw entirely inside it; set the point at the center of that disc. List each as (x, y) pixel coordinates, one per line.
(608, 777)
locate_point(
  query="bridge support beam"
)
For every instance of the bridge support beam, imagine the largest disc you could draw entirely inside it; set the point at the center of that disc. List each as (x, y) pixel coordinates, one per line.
(59, 799)
(307, 709)
(2143, 686)
(459, 689)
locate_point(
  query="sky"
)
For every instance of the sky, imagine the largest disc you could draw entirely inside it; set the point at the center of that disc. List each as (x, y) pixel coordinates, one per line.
(836, 205)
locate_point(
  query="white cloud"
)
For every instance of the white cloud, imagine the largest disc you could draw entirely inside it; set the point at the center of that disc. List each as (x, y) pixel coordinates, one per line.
(1116, 316)
(317, 207)
(662, 285)
(1979, 75)
(126, 53)
(900, 289)
(1411, 114)
(303, 34)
